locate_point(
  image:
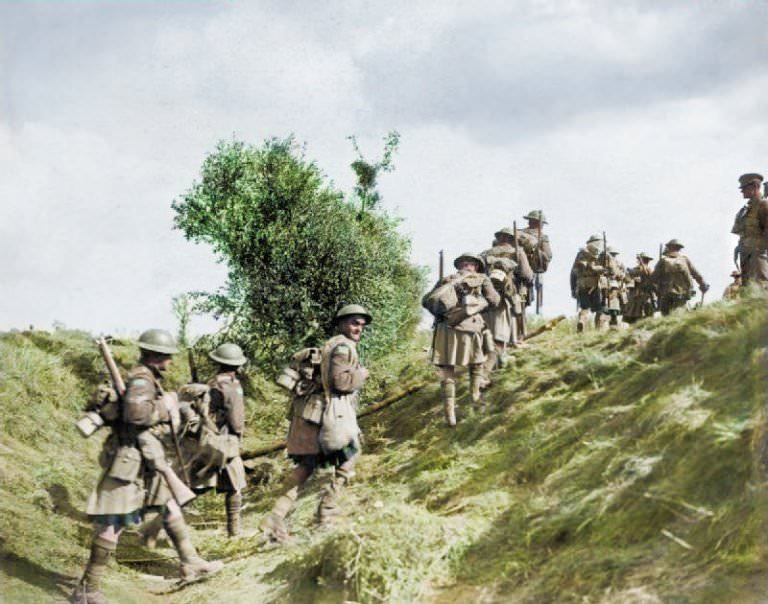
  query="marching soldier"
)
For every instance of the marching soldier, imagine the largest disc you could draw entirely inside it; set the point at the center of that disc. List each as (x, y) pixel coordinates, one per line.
(215, 418)
(617, 293)
(751, 225)
(733, 291)
(331, 438)
(589, 284)
(137, 478)
(673, 278)
(641, 297)
(459, 330)
(538, 250)
(510, 272)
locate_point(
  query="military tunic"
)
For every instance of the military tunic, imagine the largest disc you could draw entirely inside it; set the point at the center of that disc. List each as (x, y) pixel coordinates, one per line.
(588, 281)
(341, 377)
(751, 225)
(539, 255)
(130, 484)
(519, 276)
(673, 278)
(640, 297)
(458, 339)
(226, 415)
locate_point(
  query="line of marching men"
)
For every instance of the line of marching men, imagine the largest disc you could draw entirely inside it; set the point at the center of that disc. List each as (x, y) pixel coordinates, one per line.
(480, 309)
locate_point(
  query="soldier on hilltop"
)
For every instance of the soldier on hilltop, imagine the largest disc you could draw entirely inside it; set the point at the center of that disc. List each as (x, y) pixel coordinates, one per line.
(751, 225)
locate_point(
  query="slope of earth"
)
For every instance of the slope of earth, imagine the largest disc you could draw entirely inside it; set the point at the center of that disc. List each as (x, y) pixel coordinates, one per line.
(619, 467)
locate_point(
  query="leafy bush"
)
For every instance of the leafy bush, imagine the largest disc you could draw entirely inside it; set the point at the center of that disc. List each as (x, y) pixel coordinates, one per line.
(296, 251)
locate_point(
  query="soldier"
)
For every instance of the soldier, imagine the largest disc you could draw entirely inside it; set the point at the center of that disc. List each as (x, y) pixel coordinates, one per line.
(136, 474)
(217, 422)
(460, 333)
(641, 297)
(733, 291)
(539, 252)
(617, 293)
(589, 284)
(673, 278)
(510, 272)
(330, 439)
(751, 225)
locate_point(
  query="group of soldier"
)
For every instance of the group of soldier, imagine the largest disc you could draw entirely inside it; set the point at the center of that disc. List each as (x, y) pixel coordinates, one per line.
(480, 310)
(479, 313)
(198, 431)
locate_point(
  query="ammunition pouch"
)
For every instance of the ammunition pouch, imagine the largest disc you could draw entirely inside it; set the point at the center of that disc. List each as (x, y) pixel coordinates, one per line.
(310, 408)
(126, 464)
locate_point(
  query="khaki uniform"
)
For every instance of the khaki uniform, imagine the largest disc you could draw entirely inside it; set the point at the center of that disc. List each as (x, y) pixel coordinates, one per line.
(341, 378)
(500, 319)
(589, 286)
(460, 342)
(539, 255)
(130, 484)
(751, 225)
(226, 418)
(640, 302)
(673, 279)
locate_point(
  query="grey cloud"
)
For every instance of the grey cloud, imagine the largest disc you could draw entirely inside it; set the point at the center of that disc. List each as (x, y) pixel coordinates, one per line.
(507, 77)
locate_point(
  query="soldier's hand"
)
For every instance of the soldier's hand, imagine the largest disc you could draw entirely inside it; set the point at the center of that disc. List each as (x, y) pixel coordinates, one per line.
(364, 372)
(705, 288)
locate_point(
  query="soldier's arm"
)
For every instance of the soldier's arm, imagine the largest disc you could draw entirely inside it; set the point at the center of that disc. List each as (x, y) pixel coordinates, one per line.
(696, 275)
(523, 270)
(140, 405)
(490, 293)
(345, 376)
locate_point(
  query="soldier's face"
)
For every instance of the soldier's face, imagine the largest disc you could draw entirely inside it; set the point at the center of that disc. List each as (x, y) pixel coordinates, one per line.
(468, 266)
(749, 191)
(353, 327)
(533, 224)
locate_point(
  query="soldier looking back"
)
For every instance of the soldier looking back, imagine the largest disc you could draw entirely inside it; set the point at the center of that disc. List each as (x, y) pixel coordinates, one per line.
(751, 225)
(324, 440)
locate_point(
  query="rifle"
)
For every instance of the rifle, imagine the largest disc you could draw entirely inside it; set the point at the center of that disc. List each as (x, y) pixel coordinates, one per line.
(517, 258)
(537, 284)
(180, 490)
(440, 265)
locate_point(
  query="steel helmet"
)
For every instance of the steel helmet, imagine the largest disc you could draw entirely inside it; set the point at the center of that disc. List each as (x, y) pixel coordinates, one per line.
(473, 258)
(354, 309)
(158, 340)
(536, 215)
(228, 354)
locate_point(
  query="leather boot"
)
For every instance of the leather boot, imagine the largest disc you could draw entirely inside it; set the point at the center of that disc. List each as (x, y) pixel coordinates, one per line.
(329, 507)
(476, 379)
(193, 567)
(273, 524)
(449, 401)
(581, 323)
(233, 503)
(88, 590)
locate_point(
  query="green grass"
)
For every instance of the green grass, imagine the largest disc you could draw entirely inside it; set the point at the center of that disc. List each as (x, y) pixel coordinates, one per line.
(620, 467)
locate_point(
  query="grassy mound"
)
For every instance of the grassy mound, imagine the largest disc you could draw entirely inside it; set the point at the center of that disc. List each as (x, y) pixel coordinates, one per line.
(620, 467)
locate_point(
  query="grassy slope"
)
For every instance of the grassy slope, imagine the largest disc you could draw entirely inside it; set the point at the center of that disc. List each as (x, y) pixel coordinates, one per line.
(619, 468)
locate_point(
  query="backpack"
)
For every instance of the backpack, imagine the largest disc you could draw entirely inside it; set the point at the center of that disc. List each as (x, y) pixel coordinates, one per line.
(301, 377)
(675, 278)
(441, 299)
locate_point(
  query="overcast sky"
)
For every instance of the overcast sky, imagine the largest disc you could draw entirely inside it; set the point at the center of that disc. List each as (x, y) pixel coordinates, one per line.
(634, 118)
